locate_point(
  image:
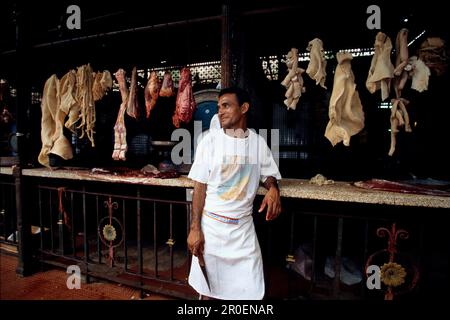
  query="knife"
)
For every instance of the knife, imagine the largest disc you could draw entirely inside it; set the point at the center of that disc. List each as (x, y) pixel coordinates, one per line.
(201, 262)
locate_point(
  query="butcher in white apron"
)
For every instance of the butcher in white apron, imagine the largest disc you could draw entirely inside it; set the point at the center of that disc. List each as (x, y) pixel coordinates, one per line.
(229, 164)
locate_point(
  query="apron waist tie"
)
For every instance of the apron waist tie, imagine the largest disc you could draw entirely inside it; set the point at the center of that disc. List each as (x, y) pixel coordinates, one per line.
(221, 218)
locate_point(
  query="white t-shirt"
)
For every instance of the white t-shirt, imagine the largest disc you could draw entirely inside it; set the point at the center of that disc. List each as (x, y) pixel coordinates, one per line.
(215, 122)
(232, 168)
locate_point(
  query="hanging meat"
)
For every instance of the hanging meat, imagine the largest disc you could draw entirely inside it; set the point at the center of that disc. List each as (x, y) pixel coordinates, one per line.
(53, 140)
(151, 93)
(85, 97)
(185, 104)
(401, 62)
(399, 117)
(72, 97)
(132, 102)
(67, 92)
(68, 97)
(345, 111)
(74, 113)
(102, 83)
(433, 52)
(399, 114)
(120, 132)
(381, 69)
(49, 106)
(167, 88)
(419, 73)
(293, 81)
(317, 63)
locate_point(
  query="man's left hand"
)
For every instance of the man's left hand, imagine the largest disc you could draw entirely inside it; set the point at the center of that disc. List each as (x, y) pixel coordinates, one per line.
(273, 202)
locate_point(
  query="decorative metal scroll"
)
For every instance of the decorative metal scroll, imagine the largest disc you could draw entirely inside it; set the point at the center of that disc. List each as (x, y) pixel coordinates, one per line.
(396, 278)
(110, 230)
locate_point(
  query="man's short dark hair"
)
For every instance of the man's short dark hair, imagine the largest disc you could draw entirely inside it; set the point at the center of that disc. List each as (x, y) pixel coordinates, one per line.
(241, 94)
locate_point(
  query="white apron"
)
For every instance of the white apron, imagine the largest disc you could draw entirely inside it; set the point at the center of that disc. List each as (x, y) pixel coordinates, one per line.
(233, 261)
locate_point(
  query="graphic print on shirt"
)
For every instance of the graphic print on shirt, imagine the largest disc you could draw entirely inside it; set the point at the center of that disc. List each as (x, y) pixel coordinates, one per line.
(235, 176)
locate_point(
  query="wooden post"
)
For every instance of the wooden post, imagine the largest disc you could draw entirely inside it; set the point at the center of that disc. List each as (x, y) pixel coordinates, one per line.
(225, 61)
(23, 98)
(23, 228)
(22, 82)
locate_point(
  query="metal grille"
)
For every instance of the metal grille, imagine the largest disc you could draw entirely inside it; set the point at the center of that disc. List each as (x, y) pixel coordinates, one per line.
(270, 64)
(287, 135)
(326, 250)
(129, 239)
(270, 67)
(8, 213)
(295, 137)
(204, 72)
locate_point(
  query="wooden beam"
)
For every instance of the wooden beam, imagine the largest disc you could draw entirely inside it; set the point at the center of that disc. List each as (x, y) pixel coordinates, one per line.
(225, 59)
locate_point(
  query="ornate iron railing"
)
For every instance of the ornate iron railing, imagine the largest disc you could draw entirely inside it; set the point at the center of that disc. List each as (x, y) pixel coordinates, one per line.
(135, 240)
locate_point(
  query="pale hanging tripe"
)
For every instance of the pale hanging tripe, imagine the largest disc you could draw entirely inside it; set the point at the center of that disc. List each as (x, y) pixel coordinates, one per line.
(293, 81)
(345, 110)
(317, 63)
(381, 69)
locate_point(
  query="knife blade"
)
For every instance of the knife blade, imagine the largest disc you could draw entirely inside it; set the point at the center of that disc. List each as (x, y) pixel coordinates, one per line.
(201, 262)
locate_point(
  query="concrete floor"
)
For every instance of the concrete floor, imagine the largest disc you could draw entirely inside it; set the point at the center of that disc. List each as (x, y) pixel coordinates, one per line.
(51, 285)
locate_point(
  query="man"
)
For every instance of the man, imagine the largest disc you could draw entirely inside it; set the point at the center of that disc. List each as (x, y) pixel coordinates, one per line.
(229, 164)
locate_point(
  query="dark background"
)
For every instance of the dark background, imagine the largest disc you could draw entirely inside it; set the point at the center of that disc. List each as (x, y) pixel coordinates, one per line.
(279, 26)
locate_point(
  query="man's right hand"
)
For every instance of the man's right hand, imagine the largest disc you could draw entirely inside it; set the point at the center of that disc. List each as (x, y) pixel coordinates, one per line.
(196, 243)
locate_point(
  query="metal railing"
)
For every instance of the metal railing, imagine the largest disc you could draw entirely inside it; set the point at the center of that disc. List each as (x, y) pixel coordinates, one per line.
(134, 240)
(314, 250)
(8, 222)
(318, 251)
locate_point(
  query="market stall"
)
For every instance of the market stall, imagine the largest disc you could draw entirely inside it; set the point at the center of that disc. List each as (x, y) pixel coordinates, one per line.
(100, 125)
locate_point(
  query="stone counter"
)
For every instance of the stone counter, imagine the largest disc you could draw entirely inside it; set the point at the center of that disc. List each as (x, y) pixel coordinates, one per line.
(290, 188)
(347, 192)
(86, 175)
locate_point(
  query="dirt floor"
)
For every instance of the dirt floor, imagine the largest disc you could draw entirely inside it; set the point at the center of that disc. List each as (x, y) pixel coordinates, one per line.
(51, 285)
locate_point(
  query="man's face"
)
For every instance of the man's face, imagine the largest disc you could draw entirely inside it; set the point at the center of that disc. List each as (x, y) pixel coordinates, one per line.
(229, 111)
